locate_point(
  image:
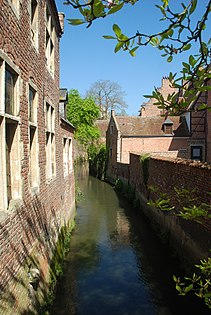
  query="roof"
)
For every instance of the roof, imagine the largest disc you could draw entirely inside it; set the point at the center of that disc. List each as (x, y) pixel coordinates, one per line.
(150, 126)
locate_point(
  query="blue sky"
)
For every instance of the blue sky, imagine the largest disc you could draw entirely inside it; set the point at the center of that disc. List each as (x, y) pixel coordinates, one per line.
(86, 57)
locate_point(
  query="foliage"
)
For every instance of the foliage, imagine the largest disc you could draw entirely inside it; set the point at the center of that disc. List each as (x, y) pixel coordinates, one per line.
(163, 203)
(145, 167)
(183, 26)
(56, 267)
(195, 213)
(97, 160)
(107, 95)
(82, 113)
(119, 184)
(200, 284)
(192, 209)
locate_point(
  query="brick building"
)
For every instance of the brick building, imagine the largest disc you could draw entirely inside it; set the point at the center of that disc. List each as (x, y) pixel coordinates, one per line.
(37, 179)
(145, 135)
(148, 109)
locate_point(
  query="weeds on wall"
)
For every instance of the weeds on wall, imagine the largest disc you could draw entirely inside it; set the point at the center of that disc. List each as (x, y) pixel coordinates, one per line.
(200, 282)
(144, 159)
(56, 266)
(192, 209)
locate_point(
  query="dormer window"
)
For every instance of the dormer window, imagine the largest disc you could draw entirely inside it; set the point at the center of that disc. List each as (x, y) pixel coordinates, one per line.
(167, 126)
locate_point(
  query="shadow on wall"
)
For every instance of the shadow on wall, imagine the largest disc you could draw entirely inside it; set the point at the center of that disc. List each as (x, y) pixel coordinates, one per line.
(28, 241)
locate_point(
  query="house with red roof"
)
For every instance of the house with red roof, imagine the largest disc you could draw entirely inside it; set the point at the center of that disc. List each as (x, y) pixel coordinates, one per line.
(142, 135)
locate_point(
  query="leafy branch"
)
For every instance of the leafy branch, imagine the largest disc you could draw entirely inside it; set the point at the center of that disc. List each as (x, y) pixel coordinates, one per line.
(199, 284)
(180, 34)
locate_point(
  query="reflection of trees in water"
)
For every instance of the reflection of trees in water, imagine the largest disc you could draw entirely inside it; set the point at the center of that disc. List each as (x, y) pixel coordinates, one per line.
(82, 256)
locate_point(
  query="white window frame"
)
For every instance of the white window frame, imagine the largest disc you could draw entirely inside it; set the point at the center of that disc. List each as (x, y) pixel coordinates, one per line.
(50, 40)
(9, 142)
(50, 141)
(34, 21)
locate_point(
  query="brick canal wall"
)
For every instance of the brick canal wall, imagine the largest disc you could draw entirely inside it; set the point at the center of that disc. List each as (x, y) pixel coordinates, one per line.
(189, 239)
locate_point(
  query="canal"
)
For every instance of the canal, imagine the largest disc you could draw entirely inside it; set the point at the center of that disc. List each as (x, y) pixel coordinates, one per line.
(116, 264)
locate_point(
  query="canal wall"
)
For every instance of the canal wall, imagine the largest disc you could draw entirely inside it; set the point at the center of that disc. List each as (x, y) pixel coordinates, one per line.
(28, 241)
(157, 180)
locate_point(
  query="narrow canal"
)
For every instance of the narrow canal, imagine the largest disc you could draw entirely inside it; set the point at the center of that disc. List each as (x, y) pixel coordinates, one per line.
(116, 264)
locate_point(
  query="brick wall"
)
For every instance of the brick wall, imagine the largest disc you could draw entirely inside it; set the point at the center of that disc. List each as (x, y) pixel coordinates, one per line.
(152, 144)
(148, 109)
(190, 240)
(29, 230)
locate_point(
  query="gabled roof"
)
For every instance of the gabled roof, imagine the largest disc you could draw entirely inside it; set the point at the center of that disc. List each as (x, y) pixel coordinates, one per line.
(150, 126)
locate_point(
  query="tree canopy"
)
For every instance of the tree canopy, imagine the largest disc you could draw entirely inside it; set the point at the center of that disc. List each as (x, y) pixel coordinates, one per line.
(82, 113)
(182, 26)
(107, 95)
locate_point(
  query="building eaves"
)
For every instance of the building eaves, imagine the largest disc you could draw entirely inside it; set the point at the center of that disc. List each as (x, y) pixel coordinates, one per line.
(66, 122)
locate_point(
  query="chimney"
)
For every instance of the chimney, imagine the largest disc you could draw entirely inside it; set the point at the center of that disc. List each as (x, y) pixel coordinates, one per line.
(61, 20)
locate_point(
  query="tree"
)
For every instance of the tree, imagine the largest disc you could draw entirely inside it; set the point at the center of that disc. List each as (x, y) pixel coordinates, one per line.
(183, 28)
(82, 113)
(107, 95)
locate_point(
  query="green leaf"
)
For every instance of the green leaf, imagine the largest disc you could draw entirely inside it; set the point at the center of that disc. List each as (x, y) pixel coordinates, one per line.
(192, 61)
(186, 47)
(75, 21)
(165, 3)
(116, 8)
(108, 37)
(132, 51)
(148, 96)
(170, 58)
(117, 30)
(119, 45)
(98, 9)
(193, 6)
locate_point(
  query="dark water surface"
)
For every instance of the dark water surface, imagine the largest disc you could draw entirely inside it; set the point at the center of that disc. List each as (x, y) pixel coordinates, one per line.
(116, 265)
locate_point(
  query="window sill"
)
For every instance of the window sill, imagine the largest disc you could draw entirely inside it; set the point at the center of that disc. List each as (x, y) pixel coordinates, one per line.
(12, 117)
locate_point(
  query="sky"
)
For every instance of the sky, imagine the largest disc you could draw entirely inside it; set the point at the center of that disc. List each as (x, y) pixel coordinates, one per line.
(86, 57)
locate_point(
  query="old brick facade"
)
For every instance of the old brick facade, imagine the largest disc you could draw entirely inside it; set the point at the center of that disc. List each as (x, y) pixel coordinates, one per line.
(148, 109)
(37, 178)
(190, 239)
(145, 135)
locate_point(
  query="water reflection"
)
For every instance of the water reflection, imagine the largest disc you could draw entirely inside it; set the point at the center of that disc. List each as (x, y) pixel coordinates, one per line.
(116, 265)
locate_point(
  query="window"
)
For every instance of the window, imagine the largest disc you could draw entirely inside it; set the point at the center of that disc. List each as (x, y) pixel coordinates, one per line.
(34, 22)
(33, 157)
(49, 41)
(50, 142)
(10, 153)
(32, 105)
(33, 143)
(67, 156)
(196, 153)
(10, 91)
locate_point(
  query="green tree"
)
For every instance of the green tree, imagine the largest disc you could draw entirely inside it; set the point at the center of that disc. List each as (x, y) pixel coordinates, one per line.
(82, 113)
(182, 26)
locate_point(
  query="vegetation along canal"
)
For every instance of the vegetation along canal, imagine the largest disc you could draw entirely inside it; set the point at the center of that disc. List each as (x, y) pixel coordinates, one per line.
(116, 264)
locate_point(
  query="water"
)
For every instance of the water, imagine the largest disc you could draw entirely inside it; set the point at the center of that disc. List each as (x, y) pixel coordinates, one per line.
(116, 264)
